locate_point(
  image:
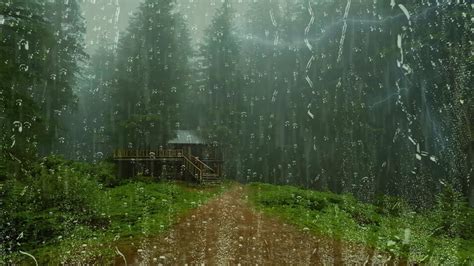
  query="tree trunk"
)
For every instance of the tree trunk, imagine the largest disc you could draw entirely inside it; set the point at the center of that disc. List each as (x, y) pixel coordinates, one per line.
(471, 196)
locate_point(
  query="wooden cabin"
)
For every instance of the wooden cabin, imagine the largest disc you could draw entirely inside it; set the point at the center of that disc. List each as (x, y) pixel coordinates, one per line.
(187, 156)
(189, 142)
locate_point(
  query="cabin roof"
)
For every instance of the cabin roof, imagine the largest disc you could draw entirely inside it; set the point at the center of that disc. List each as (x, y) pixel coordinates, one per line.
(187, 137)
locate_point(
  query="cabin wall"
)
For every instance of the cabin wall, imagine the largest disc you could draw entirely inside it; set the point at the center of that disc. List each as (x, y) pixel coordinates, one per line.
(193, 149)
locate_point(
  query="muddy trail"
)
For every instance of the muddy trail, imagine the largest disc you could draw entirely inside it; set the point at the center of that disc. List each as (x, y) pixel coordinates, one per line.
(228, 231)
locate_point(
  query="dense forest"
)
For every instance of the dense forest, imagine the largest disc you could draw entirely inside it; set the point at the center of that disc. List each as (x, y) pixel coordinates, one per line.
(369, 98)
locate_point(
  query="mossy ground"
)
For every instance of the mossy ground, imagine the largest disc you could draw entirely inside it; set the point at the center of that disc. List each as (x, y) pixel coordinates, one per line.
(394, 228)
(138, 210)
(130, 211)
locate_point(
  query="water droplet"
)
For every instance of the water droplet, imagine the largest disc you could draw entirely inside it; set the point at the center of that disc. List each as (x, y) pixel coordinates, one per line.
(23, 68)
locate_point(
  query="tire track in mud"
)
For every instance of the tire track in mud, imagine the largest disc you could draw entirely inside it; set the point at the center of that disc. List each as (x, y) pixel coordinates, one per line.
(228, 231)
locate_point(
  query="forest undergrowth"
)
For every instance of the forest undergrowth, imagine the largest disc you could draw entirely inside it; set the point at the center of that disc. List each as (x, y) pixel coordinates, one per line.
(65, 211)
(443, 234)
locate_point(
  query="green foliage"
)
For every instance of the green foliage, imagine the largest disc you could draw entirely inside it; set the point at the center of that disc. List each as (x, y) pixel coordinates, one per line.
(147, 209)
(24, 30)
(390, 225)
(454, 217)
(389, 205)
(291, 197)
(297, 101)
(151, 74)
(61, 205)
(51, 197)
(55, 185)
(66, 53)
(140, 122)
(223, 84)
(104, 172)
(40, 50)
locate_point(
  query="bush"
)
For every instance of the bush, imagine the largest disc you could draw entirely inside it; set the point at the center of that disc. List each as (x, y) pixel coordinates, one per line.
(467, 229)
(103, 172)
(454, 217)
(52, 197)
(389, 205)
(364, 215)
(55, 184)
(294, 197)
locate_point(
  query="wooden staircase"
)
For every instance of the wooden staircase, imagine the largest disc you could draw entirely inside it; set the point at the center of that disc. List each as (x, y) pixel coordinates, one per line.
(211, 179)
(200, 171)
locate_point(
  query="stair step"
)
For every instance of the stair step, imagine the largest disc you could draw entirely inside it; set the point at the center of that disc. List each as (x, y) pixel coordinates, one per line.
(210, 177)
(211, 183)
(211, 180)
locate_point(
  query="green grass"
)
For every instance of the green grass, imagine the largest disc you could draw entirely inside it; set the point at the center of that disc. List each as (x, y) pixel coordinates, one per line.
(392, 228)
(131, 211)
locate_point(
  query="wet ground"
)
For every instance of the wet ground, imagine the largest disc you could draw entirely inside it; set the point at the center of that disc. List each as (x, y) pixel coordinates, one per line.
(228, 231)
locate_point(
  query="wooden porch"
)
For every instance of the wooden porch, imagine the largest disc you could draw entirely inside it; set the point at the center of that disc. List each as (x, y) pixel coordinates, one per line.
(203, 171)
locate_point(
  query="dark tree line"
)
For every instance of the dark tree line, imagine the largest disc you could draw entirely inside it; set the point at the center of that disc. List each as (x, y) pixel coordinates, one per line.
(41, 52)
(356, 96)
(130, 90)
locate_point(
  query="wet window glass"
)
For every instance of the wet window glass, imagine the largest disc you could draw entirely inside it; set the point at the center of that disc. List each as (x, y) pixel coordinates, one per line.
(236, 132)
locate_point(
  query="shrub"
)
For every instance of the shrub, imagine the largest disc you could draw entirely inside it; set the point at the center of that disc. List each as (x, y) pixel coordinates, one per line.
(454, 217)
(294, 197)
(364, 215)
(55, 184)
(389, 205)
(52, 197)
(103, 172)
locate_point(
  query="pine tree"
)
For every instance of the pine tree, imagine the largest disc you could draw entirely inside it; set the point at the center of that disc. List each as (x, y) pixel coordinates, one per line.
(65, 56)
(24, 35)
(224, 84)
(152, 74)
(90, 127)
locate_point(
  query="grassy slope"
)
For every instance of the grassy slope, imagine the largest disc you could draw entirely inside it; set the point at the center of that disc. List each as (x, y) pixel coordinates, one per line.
(129, 211)
(342, 217)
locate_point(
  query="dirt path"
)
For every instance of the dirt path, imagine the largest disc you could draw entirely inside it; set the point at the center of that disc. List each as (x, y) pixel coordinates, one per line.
(227, 231)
